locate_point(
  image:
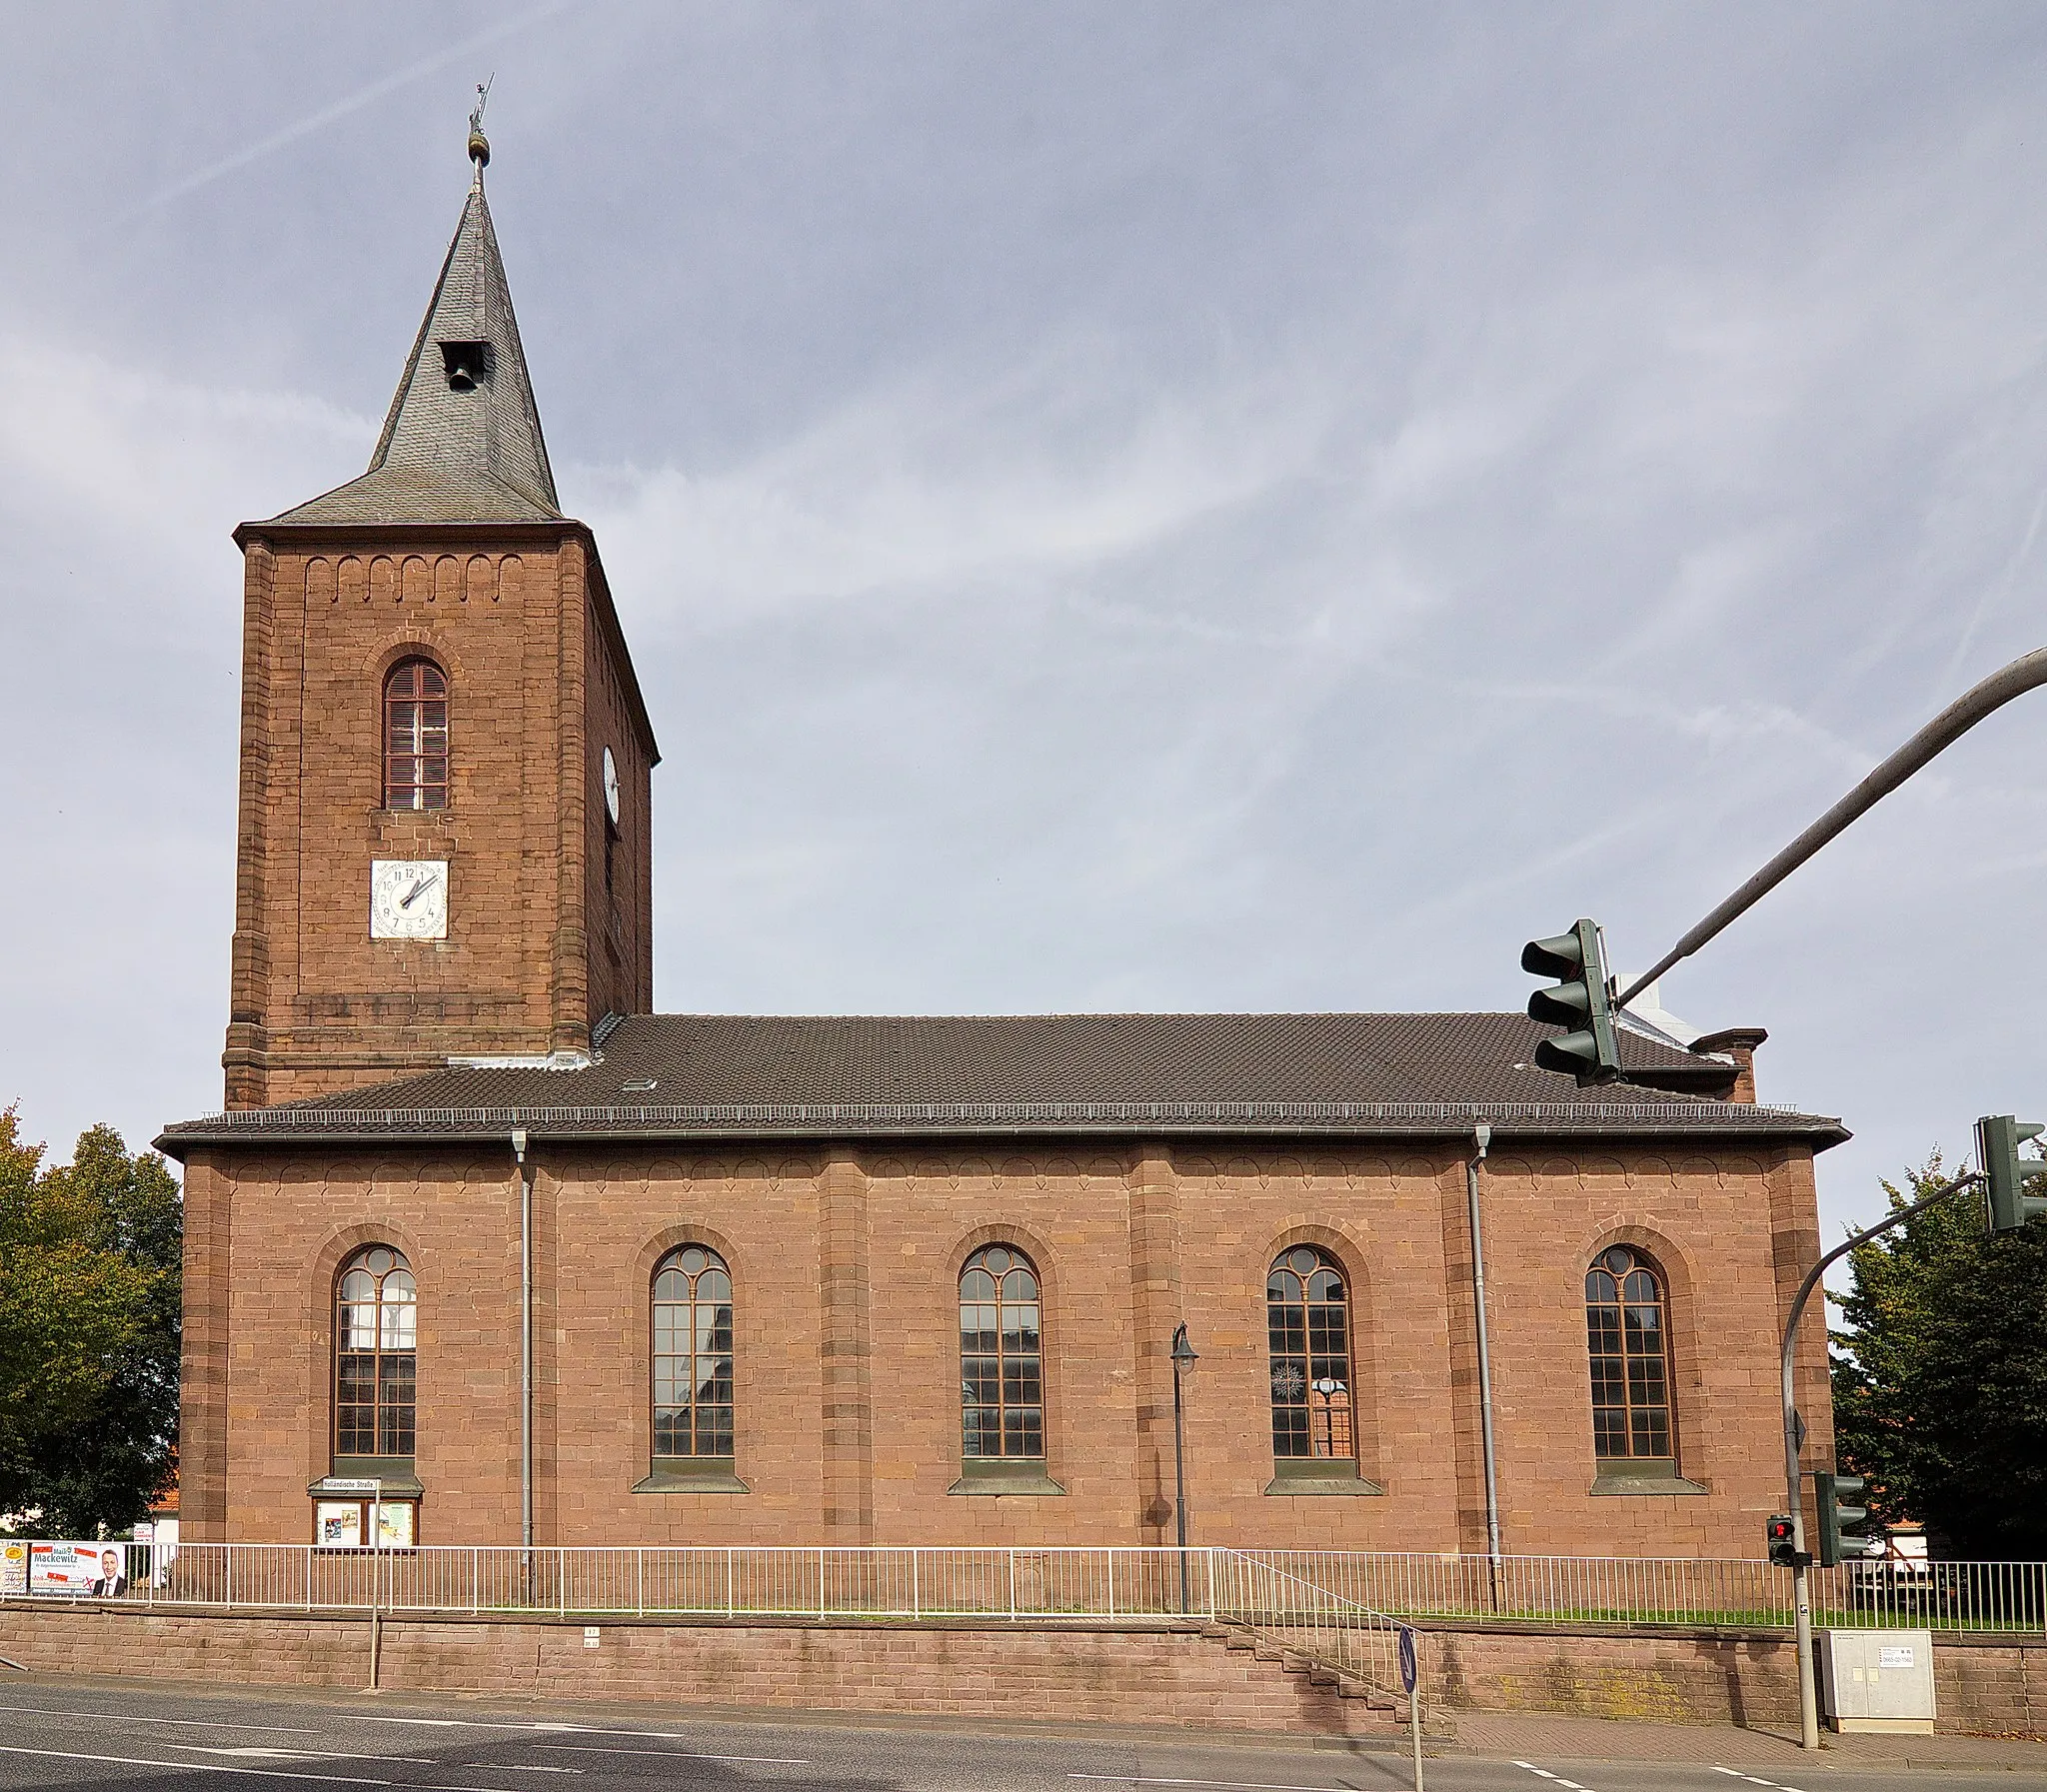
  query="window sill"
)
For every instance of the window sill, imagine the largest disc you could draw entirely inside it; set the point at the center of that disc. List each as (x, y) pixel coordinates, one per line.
(1310, 1476)
(678, 1474)
(1648, 1476)
(993, 1476)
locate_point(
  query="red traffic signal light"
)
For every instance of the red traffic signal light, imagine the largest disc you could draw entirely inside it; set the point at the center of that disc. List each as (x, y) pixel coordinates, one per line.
(1783, 1541)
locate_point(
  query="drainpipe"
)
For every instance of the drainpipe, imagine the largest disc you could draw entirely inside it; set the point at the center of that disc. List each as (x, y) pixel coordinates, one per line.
(1482, 1138)
(524, 1344)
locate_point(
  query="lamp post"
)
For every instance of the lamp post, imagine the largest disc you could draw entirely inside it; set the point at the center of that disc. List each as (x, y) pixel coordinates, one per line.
(1183, 1359)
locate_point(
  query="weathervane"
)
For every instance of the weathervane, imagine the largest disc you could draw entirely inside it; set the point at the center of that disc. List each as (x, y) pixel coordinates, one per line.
(479, 144)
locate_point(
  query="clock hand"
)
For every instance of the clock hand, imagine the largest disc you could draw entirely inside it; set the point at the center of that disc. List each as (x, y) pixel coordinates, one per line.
(419, 889)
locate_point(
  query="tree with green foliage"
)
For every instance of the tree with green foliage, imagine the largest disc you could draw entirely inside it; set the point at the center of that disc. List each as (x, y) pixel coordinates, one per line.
(90, 1257)
(1940, 1376)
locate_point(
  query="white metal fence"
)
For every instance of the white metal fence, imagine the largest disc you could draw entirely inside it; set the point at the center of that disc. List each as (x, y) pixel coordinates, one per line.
(1270, 1589)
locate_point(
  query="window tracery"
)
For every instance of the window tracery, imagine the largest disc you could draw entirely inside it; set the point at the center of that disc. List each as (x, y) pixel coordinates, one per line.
(1308, 1322)
(693, 1354)
(1628, 1334)
(1001, 1368)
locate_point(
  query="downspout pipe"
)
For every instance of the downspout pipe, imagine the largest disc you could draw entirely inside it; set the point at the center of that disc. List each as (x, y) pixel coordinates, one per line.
(1481, 1138)
(525, 1341)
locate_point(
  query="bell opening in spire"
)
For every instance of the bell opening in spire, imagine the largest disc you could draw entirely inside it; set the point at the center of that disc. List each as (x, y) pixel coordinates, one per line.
(467, 364)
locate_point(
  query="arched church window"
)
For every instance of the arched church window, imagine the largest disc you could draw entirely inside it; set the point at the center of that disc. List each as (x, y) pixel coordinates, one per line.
(1627, 1331)
(1002, 1368)
(692, 1386)
(376, 1355)
(1308, 1327)
(416, 736)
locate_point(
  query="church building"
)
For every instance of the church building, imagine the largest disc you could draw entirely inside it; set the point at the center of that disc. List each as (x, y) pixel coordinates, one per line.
(478, 1227)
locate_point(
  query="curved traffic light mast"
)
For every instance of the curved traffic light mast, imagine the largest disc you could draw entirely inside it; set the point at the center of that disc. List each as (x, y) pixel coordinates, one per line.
(1584, 1004)
(1981, 699)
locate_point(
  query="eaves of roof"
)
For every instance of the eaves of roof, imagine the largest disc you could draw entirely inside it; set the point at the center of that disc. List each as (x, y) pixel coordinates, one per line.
(267, 1128)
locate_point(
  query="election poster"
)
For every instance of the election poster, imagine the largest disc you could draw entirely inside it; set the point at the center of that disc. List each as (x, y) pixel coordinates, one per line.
(77, 1570)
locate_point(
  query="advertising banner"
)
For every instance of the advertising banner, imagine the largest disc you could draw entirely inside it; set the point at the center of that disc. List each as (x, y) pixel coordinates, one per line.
(13, 1569)
(79, 1570)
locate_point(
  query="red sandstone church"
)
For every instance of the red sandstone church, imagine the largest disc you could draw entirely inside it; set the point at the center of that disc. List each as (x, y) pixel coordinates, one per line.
(477, 1226)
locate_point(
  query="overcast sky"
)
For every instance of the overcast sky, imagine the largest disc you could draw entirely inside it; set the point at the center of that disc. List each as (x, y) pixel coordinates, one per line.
(1114, 506)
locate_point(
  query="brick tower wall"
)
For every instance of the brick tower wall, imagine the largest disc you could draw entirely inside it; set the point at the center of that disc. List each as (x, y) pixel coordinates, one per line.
(317, 1006)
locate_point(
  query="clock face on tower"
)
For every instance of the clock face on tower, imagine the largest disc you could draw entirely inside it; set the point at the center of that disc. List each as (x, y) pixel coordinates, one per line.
(409, 898)
(611, 787)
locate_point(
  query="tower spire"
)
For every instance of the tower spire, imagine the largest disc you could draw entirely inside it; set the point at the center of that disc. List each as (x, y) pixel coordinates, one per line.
(461, 442)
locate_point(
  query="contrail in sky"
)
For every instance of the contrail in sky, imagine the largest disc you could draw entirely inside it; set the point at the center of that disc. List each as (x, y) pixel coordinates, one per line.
(354, 102)
(1993, 597)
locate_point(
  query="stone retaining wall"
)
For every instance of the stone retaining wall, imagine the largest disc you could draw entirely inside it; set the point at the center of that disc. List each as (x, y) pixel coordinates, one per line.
(1157, 1675)
(1163, 1676)
(1984, 1684)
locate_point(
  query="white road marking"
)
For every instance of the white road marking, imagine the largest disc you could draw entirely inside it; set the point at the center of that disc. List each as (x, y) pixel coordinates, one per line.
(1775, 1785)
(190, 1723)
(551, 1729)
(247, 1752)
(669, 1754)
(1555, 1779)
(268, 1773)
(522, 1767)
(1136, 1779)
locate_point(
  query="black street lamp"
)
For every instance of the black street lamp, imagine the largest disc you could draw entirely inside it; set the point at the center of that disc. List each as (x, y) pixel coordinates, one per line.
(1183, 1359)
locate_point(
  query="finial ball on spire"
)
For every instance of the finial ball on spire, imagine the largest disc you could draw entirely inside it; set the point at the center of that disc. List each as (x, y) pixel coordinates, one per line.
(479, 144)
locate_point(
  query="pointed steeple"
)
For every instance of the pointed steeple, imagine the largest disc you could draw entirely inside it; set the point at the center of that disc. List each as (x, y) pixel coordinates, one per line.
(462, 443)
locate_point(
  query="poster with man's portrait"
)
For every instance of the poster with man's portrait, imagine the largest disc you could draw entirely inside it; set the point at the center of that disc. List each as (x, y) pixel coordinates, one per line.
(78, 1570)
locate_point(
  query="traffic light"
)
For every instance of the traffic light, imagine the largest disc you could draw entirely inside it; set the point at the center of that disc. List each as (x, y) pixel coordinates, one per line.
(2005, 1173)
(1836, 1518)
(1783, 1542)
(1580, 1003)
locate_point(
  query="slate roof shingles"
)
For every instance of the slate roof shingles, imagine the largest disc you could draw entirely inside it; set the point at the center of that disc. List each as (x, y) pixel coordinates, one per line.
(780, 1075)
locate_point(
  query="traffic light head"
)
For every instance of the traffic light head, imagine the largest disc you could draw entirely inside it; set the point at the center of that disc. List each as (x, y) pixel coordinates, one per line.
(2006, 1173)
(1783, 1541)
(1587, 1049)
(1837, 1519)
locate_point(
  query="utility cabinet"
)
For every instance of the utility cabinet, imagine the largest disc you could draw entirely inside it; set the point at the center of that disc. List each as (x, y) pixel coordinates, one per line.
(1880, 1680)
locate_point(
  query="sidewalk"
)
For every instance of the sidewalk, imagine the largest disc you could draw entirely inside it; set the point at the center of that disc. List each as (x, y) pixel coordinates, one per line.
(1775, 1753)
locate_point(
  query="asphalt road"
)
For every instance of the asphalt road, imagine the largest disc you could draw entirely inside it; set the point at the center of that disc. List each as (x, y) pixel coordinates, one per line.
(61, 1734)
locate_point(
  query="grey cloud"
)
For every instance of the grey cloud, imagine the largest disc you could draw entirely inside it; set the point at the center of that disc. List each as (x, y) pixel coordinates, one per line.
(1116, 505)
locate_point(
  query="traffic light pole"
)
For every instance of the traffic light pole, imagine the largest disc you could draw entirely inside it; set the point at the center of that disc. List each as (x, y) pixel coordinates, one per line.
(1943, 731)
(1794, 1491)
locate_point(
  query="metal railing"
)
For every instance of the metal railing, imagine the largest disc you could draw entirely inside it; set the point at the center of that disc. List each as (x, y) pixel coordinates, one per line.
(1680, 1590)
(1312, 1591)
(830, 1582)
(1301, 1613)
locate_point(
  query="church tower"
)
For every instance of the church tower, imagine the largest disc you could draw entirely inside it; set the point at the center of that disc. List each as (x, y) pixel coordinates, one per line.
(443, 845)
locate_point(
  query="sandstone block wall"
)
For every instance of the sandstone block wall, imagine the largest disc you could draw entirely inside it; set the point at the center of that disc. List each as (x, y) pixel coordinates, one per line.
(846, 1262)
(1144, 1677)
(1134, 1675)
(538, 683)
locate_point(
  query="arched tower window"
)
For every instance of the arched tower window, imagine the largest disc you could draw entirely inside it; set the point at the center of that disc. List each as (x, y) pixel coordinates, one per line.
(1308, 1326)
(416, 736)
(693, 1389)
(376, 1355)
(1627, 1333)
(1001, 1368)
